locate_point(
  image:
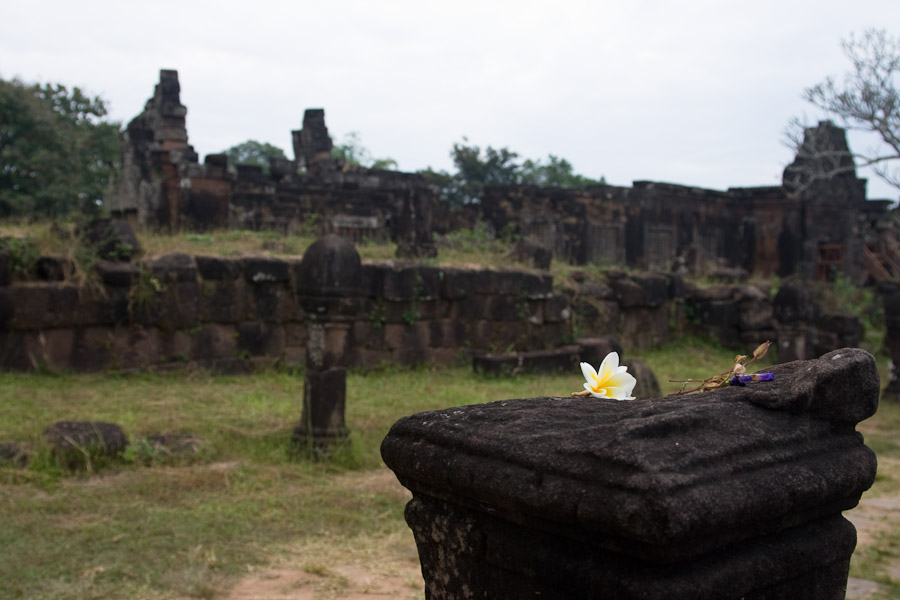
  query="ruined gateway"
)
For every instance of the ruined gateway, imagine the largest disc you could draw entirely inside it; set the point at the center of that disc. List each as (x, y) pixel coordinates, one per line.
(809, 227)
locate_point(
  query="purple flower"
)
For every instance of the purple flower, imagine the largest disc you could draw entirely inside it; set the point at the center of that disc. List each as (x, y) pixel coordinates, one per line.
(743, 380)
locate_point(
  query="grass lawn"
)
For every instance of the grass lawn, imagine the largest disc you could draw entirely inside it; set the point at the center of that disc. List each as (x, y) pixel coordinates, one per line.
(189, 528)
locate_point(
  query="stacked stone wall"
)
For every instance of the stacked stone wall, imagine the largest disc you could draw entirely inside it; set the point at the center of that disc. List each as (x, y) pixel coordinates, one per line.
(234, 314)
(230, 314)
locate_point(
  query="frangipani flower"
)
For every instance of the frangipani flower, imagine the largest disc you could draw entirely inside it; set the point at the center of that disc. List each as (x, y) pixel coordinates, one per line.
(609, 381)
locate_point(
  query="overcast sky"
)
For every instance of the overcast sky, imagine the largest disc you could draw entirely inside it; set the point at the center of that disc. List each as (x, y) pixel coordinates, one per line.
(693, 92)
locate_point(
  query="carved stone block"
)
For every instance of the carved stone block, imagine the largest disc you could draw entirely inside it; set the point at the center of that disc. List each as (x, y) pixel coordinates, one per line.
(735, 493)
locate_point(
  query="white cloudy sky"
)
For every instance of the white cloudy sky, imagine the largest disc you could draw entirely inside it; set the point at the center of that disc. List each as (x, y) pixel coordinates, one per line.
(696, 92)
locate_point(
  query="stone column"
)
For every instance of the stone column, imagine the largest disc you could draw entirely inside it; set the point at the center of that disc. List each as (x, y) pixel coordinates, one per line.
(735, 493)
(796, 312)
(328, 290)
(890, 294)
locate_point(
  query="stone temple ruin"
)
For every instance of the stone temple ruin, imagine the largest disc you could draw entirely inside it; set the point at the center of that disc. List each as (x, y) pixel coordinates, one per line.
(809, 226)
(163, 185)
(816, 224)
(231, 314)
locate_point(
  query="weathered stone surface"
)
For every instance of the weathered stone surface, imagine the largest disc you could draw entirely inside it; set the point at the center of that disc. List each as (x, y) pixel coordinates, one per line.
(13, 454)
(92, 349)
(794, 303)
(179, 305)
(644, 327)
(735, 493)
(49, 349)
(447, 333)
(563, 359)
(531, 254)
(221, 341)
(890, 294)
(329, 273)
(593, 350)
(265, 270)
(224, 301)
(43, 305)
(7, 308)
(647, 385)
(838, 331)
(596, 289)
(458, 283)
(113, 239)
(76, 443)
(260, 339)
(557, 309)
(117, 274)
(324, 395)
(135, 347)
(5, 273)
(53, 268)
(173, 268)
(640, 290)
(217, 268)
(273, 302)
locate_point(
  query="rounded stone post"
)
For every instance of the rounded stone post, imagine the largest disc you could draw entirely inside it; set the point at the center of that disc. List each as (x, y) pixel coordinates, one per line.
(329, 292)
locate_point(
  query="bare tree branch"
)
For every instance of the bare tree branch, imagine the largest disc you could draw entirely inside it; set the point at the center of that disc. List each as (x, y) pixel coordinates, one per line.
(867, 100)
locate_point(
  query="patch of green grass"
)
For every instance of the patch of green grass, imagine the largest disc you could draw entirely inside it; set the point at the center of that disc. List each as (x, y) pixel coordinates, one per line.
(181, 531)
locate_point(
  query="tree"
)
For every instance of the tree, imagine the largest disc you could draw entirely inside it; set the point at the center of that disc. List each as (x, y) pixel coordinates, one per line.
(867, 100)
(252, 152)
(57, 153)
(354, 153)
(474, 171)
(556, 172)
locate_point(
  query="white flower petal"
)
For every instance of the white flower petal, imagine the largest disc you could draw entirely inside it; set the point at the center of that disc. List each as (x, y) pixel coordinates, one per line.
(622, 385)
(589, 373)
(609, 366)
(619, 393)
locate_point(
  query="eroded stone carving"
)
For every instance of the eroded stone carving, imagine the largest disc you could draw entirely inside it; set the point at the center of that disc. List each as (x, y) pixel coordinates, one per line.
(735, 493)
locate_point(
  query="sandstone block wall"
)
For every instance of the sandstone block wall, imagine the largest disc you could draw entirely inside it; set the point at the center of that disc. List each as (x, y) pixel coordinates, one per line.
(230, 314)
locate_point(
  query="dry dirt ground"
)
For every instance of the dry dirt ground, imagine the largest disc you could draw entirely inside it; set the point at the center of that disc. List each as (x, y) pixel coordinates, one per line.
(367, 567)
(871, 515)
(388, 567)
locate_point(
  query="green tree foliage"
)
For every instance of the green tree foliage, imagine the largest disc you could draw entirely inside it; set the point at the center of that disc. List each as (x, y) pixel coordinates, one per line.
(475, 170)
(57, 153)
(354, 153)
(252, 152)
(556, 172)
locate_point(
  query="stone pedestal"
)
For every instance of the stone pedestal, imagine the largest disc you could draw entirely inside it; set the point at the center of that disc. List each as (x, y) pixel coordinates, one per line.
(735, 493)
(329, 293)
